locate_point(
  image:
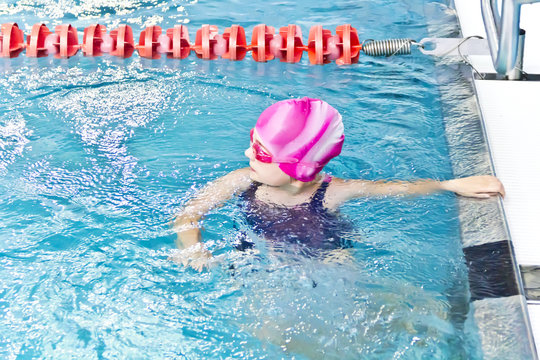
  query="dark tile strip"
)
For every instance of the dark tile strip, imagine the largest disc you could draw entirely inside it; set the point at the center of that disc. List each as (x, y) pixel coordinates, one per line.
(491, 273)
(491, 76)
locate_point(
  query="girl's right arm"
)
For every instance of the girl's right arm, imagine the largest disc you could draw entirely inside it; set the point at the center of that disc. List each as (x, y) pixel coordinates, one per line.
(484, 186)
(212, 195)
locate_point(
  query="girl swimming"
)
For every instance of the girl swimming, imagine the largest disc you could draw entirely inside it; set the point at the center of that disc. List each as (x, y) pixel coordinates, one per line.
(286, 195)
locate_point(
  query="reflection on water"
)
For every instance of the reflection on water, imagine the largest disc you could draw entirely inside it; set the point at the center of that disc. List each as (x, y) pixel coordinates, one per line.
(336, 309)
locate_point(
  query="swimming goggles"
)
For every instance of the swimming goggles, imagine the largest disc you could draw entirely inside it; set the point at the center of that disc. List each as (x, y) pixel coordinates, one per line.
(264, 157)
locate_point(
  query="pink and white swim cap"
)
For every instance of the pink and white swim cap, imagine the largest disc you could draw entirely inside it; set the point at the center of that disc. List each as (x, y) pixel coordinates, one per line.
(308, 131)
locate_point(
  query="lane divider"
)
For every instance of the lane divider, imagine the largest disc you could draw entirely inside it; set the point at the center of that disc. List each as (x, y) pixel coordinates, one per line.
(266, 44)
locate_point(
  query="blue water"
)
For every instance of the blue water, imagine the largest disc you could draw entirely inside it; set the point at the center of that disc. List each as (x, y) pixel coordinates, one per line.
(97, 155)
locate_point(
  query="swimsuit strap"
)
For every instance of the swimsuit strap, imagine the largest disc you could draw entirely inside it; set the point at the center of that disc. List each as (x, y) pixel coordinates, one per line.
(318, 198)
(249, 194)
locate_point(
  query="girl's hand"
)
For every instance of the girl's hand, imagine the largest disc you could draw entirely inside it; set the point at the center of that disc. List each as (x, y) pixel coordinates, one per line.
(195, 256)
(484, 186)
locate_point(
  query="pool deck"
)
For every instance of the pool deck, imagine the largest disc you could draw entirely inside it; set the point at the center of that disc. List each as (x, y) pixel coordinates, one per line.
(511, 114)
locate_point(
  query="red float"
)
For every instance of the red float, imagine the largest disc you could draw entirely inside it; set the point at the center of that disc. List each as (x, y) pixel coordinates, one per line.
(92, 40)
(291, 44)
(317, 47)
(260, 43)
(237, 44)
(68, 41)
(148, 42)
(123, 44)
(349, 44)
(205, 41)
(11, 40)
(180, 42)
(36, 41)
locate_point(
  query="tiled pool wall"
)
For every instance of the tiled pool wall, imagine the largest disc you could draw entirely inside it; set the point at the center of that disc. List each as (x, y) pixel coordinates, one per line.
(498, 311)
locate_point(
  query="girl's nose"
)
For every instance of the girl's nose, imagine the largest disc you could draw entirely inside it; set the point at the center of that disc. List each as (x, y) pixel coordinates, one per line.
(249, 153)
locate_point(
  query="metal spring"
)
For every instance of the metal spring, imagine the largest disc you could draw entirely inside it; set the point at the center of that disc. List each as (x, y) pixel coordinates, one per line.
(388, 47)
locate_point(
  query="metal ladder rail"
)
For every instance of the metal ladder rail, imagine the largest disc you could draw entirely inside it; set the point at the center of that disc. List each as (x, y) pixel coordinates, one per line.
(504, 36)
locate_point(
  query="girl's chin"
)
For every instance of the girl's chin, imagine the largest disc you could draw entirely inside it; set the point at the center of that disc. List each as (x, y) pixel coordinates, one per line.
(253, 176)
(270, 181)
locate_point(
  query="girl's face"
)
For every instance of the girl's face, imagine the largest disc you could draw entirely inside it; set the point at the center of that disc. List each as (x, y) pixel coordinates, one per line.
(266, 173)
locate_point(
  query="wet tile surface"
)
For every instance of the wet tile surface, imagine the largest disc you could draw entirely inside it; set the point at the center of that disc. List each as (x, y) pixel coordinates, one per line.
(531, 281)
(502, 328)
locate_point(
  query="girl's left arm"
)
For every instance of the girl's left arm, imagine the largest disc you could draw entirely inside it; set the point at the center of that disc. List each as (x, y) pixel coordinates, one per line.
(484, 186)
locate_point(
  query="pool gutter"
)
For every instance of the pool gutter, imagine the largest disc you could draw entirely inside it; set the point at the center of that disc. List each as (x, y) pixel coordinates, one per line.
(499, 311)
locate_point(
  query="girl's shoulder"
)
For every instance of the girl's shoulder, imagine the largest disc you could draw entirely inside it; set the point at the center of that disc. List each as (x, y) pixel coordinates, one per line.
(334, 183)
(233, 182)
(339, 191)
(238, 179)
(241, 173)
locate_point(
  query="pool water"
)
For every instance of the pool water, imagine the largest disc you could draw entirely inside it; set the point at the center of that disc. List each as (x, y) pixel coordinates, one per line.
(97, 155)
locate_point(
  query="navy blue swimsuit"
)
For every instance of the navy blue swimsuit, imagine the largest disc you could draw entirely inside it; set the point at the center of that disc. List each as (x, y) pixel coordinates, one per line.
(310, 224)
